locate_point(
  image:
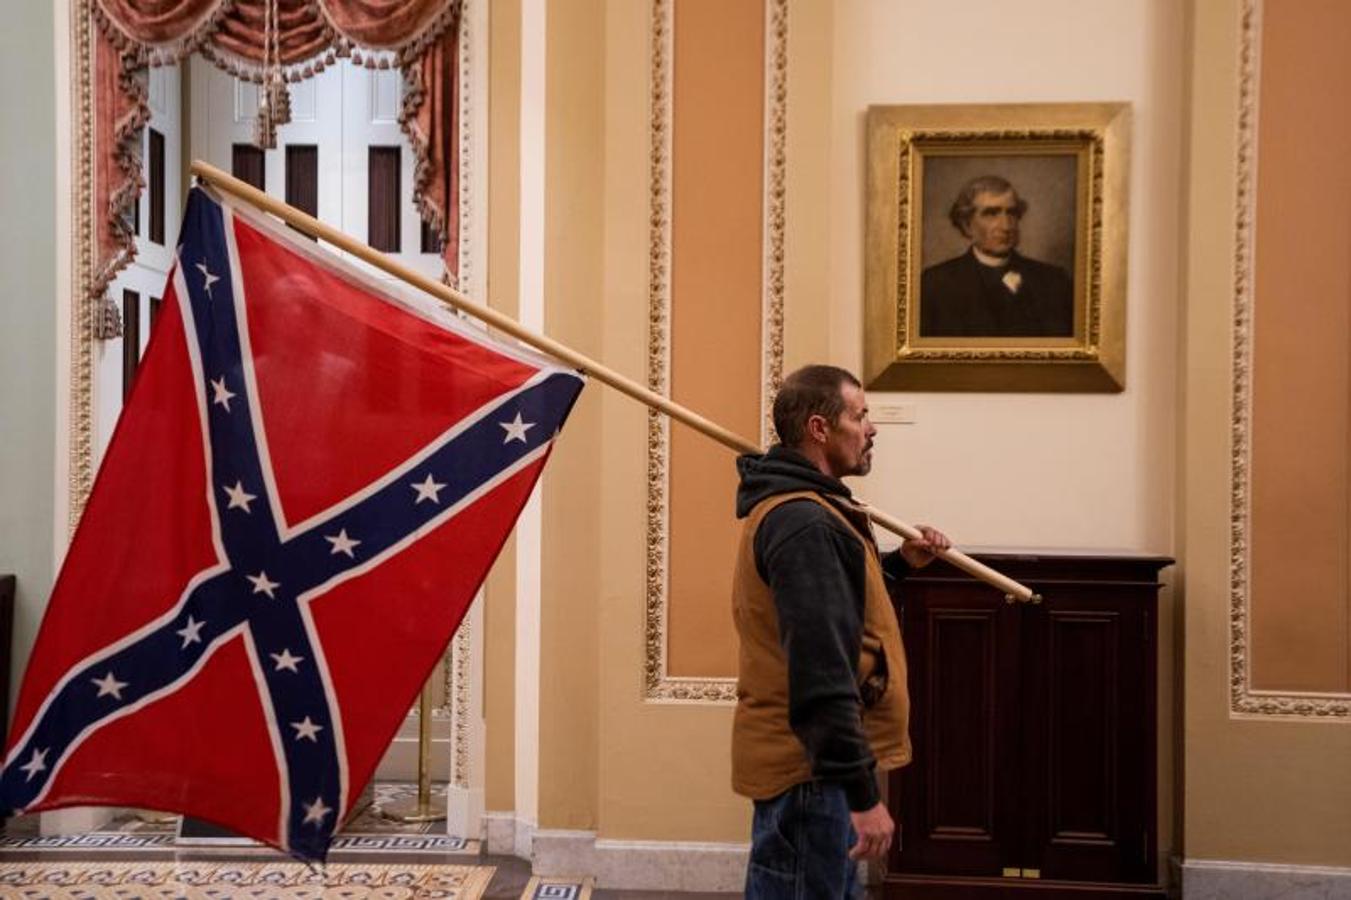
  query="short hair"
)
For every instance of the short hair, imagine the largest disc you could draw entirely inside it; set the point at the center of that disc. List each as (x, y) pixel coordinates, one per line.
(809, 391)
(965, 204)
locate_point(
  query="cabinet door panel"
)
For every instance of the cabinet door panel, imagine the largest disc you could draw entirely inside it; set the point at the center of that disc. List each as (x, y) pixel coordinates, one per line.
(955, 797)
(1084, 677)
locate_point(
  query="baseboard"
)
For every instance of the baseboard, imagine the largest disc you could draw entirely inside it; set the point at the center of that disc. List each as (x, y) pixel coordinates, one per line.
(941, 887)
(75, 820)
(1212, 879)
(464, 811)
(641, 865)
(506, 835)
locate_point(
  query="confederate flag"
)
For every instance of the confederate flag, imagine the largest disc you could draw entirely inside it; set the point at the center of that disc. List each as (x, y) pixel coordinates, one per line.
(304, 492)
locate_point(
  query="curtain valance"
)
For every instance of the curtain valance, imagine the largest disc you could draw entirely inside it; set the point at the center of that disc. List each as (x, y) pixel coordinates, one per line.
(416, 36)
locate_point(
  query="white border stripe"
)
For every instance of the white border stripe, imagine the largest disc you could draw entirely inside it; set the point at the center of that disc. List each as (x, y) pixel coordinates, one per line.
(274, 738)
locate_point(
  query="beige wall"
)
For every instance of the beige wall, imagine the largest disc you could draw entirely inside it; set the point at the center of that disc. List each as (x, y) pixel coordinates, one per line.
(573, 561)
(1027, 470)
(1022, 470)
(504, 198)
(653, 756)
(1146, 469)
(1269, 789)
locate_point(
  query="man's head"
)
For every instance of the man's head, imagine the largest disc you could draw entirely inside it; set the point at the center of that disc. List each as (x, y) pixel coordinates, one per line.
(988, 211)
(821, 412)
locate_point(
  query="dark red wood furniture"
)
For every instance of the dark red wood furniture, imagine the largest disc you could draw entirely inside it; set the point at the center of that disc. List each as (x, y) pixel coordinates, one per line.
(1034, 730)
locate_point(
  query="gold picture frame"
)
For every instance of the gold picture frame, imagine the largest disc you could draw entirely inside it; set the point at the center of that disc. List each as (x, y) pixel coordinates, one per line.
(1053, 316)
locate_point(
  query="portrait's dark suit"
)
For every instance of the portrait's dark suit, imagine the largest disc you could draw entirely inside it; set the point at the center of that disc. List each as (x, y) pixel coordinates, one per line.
(963, 298)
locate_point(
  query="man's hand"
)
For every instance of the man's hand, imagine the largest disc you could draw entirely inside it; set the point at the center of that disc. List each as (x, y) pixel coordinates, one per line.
(919, 553)
(875, 832)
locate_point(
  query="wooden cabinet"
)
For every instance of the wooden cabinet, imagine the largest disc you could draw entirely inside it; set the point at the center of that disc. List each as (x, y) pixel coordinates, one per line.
(1034, 732)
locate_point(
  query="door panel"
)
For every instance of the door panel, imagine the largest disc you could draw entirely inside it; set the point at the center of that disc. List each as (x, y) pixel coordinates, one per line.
(956, 797)
(147, 273)
(1085, 681)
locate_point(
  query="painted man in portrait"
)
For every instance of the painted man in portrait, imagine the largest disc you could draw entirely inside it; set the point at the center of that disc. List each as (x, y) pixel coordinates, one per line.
(992, 290)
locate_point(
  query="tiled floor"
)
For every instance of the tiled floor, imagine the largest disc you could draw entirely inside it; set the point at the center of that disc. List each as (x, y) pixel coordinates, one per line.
(156, 841)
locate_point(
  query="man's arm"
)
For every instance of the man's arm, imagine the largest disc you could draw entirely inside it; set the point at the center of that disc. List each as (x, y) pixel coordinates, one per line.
(816, 572)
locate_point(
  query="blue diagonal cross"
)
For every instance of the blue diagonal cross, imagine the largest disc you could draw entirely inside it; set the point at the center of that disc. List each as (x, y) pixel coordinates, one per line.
(265, 572)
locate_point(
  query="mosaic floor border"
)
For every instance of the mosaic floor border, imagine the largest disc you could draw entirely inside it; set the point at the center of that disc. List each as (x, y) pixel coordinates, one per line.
(164, 842)
(551, 888)
(271, 880)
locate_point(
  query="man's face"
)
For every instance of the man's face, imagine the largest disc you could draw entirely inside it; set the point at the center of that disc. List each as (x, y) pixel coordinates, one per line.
(849, 441)
(994, 224)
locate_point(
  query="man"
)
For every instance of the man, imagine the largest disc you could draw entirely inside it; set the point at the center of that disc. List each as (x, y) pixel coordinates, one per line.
(821, 692)
(991, 290)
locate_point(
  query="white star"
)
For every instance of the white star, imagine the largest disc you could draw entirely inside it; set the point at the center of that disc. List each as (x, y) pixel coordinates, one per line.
(109, 685)
(191, 633)
(36, 764)
(223, 395)
(342, 543)
(208, 278)
(427, 490)
(239, 498)
(286, 661)
(315, 812)
(516, 429)
(261, 584)
(307, 730)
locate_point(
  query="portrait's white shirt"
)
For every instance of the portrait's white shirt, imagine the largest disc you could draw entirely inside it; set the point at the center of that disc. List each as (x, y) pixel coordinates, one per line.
(1012, 280)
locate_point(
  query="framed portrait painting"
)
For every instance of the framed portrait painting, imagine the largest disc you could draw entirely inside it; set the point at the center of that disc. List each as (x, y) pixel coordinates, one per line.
(996, 247)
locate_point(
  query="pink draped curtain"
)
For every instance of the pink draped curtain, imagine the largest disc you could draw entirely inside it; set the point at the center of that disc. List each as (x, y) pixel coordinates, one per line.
(418, 36)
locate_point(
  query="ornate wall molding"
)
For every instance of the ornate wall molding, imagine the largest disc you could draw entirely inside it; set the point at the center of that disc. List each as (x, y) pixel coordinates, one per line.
(80, 448)
(1243, 698)
(658, 684)
(460, 668)
(776, 138)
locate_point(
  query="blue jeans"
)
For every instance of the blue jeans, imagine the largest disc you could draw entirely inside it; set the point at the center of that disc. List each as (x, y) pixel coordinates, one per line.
(800, 844)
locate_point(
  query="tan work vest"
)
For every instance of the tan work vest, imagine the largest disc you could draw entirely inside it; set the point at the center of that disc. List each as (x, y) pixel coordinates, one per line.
(767, 758)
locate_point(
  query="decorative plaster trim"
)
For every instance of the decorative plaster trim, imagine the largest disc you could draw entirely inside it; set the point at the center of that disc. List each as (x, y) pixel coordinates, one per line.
(641, 865)
(460, 664)
(468, 70)
(659, 360)
(658, 684)
(1244, 700)
(80, 446)
(776, 135)
(1207, 879)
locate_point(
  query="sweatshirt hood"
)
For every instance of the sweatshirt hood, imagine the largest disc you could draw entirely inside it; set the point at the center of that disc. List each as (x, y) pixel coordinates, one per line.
(780, 471)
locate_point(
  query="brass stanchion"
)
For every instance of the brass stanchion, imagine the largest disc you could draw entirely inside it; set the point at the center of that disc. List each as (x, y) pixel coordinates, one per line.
(422, 808)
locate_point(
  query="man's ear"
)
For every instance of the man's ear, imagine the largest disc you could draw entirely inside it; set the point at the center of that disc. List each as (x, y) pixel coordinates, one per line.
(817, 428)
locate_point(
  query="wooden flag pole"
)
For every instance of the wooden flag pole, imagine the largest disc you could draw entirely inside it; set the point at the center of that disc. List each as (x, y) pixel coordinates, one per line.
(310, 225)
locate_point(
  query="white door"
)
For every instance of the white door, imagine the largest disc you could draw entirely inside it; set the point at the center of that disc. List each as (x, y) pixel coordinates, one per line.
(138, 288)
